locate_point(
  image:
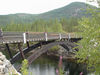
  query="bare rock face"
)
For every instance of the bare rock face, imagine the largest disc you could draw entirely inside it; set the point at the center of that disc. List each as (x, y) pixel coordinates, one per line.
(6, 67)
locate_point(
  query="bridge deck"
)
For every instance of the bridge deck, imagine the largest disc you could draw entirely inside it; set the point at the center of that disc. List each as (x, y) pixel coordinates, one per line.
(15, 37)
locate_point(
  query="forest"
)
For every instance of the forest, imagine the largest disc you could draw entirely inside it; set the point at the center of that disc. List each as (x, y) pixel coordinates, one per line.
(53, 25)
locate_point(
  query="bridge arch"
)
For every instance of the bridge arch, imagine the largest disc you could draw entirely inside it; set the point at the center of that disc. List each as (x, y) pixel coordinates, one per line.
(45, 48)
(40, 51)
(64, 44)
(26, 50)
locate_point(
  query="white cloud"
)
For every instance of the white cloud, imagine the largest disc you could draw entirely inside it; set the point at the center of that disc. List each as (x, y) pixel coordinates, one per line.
(31, 6)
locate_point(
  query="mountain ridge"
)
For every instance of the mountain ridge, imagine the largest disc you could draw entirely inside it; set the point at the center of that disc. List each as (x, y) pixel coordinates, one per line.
(71, 10)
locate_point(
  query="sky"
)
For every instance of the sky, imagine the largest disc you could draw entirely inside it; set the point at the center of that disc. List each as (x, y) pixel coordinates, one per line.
(32, 6)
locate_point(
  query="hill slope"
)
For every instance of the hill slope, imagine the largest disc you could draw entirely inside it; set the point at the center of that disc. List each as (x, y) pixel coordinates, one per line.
(74, 9)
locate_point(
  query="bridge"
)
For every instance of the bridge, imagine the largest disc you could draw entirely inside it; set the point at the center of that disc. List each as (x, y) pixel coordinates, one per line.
(43, 40)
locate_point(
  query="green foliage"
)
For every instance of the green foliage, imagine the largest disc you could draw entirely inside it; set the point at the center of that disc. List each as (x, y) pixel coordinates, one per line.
(69, 25)
(61, 72)
(54, 25)
(24, 67)
(54, 48)
(89, 46)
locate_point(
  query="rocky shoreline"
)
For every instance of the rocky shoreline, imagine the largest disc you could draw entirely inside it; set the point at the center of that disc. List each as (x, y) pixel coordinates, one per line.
(62, 52)
(6, 68)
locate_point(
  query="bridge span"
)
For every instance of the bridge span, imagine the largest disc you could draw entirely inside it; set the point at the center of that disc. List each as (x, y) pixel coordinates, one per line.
(43, 39)
(17, 37)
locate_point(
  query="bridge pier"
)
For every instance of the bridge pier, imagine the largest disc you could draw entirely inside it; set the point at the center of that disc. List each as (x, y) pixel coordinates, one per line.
(21, 51)
(28, 44)
(10, 54)
(40, 44)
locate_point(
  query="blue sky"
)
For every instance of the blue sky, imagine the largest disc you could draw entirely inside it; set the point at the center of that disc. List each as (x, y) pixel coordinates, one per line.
(32, 6)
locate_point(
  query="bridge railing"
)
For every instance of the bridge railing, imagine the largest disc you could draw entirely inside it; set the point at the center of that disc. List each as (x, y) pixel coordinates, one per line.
(53, 35)
(34, 36)
(12, 37)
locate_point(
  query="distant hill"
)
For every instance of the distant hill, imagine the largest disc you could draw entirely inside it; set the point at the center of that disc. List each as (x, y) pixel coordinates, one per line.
(75, 9)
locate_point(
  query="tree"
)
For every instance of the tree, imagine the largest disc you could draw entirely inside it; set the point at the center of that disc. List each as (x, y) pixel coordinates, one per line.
(89, 46)
(69, 24)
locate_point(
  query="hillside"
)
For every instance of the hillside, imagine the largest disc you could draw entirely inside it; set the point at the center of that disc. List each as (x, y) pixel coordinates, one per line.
(75, 9)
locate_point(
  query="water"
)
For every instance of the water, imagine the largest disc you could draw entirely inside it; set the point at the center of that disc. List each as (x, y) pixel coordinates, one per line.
(45, 65)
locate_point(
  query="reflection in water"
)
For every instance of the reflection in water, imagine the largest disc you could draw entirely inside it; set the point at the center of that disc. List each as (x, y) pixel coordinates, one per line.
(38, 69)
(47, 66)
(43, 66)
(75, 69)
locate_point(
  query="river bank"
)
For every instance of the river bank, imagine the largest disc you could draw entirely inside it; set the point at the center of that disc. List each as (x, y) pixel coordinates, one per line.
(6, 68)
(67, 55)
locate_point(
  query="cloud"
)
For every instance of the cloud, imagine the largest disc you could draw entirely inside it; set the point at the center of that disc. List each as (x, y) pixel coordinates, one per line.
(31, 6)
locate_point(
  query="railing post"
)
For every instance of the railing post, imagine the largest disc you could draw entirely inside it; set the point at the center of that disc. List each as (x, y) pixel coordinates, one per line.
(28, 44)
(10, 54)
(60, 36)
(20, 49)
(24, 38)
(69, 37)
(46, 37)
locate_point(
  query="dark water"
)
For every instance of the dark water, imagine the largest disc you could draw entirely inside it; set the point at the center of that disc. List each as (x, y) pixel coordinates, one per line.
(45, 65)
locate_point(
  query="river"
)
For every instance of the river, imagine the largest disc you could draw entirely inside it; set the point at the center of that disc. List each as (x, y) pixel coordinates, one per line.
(47, 65)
